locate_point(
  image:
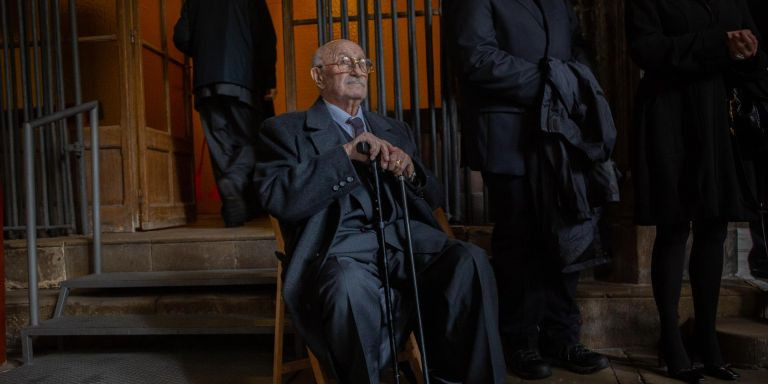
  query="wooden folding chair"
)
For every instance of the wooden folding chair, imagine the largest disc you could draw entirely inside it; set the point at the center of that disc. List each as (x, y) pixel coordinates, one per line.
(279, 368)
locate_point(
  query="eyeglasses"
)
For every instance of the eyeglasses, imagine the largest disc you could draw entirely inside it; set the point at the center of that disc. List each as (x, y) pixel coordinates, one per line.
(347, 64)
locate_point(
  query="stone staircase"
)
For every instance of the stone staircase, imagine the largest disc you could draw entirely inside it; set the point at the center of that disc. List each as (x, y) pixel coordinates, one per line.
(200, 279)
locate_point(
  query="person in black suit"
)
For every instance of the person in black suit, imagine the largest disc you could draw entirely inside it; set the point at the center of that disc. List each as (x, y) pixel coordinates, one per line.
(502, 48)
(686, 174)
(311, 177)
(233, 47)
(758, 256)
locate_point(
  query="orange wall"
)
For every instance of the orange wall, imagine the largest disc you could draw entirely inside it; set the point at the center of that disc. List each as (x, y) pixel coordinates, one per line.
(305, 37)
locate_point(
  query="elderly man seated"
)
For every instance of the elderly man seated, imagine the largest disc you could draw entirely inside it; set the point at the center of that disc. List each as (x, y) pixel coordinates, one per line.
(311, 177)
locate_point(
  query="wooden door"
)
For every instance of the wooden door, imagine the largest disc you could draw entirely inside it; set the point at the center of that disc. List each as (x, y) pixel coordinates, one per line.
(103, 33)
(165, 155)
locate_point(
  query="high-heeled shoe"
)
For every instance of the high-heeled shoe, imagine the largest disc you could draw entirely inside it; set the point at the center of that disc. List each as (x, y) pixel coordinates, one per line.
(687, 375)
(723, 372)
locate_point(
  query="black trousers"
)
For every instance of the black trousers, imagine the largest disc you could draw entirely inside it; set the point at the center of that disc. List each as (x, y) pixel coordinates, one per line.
(705, 270)
(230, 128)
(458, 309)
(536, 300)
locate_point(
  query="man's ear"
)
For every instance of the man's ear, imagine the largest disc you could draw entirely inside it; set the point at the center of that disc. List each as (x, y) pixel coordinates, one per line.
(317, 77)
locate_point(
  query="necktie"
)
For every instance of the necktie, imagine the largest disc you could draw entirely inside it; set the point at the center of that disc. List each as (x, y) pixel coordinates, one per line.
(357, 124)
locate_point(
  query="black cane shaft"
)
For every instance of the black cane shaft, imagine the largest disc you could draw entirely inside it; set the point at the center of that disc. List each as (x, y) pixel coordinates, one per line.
(414, 282)
(384, 264)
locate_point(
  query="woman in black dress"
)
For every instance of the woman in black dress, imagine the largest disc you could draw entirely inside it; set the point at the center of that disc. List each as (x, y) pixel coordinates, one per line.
(685, 175)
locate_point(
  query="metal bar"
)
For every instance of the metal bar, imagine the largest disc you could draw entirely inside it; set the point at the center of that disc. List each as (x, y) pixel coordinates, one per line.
(362, 24)
(78, 150)
(96, 197)
(10, 97)
(413, 66)
(450, 164)
(4, 129)
(39, 72)
(362, 36)
(29, 178)
(329, 19)
(381, 85)
(446, 157)
(36, 60)
(320, 23)
(24, 70)
(69, 112)
(289, 56)
(40, 227)
(431, 86)
(397, 87)
(64, 166)
(344, 11)
(296, 23)
(456, 145)
(47, 134)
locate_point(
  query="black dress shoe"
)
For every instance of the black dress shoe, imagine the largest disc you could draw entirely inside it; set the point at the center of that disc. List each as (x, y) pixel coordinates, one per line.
(687, 375)
(723, 372)
(528, 364)
(579, 359)
(233, 208)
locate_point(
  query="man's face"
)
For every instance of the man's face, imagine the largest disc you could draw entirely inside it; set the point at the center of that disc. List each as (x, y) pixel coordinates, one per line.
(338, 85)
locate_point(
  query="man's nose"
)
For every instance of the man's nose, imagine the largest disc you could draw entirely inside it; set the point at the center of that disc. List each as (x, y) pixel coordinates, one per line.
(356, 70)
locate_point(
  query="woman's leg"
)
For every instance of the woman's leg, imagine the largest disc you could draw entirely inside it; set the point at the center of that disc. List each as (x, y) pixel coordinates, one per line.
(666, 276)
(706, 269)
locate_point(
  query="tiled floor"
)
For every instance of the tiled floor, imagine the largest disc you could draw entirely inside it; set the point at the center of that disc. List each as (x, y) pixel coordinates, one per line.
(205, 364)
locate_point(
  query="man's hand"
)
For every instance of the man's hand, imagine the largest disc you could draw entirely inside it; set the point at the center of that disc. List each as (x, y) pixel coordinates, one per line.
(375, 145)
(742, 44)
(399, 163)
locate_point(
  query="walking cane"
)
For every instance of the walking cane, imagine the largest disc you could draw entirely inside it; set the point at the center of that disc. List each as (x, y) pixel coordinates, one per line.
(409, 250)
(383, 262)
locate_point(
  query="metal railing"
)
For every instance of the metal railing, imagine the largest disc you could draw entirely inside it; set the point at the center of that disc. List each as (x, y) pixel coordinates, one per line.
(33, 86)
(435, 125)
(29, 182)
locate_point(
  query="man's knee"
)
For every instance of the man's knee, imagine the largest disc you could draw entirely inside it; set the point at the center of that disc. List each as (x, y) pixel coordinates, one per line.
(342, 283)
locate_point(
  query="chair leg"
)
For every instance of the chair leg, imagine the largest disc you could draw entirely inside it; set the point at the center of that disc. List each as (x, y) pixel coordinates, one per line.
(317, 369)
(413, 356)
(277, 359)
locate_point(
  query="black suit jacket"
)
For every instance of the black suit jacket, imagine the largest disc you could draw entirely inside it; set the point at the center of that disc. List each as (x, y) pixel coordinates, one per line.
(498, 47)
(301, 173)
(230, 41)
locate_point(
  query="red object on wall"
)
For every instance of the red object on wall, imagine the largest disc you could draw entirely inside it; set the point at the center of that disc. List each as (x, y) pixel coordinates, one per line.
(2, 283)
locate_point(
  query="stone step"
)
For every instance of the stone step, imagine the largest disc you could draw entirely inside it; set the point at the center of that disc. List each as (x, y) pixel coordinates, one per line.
(175, 249)
(251, 301)
(624, 315)
(744, 341)
(613, 314)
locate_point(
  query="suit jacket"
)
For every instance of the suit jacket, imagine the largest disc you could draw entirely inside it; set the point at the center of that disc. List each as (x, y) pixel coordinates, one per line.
(498, 47)
(230, 41)
(301, 174)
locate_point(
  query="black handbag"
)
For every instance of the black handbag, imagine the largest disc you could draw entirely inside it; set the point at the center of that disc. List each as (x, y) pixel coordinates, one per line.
(749, 122)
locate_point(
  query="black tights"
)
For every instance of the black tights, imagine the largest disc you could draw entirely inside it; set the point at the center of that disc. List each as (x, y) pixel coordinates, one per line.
(705, 269)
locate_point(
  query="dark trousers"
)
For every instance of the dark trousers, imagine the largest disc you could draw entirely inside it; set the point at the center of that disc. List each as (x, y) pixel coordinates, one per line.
(536, 300)
(230, 128)
(458, 308)
(705, 270)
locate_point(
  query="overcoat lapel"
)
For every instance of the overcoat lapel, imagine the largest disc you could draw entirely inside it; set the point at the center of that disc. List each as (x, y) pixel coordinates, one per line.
(533, 9)
(322, 129)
